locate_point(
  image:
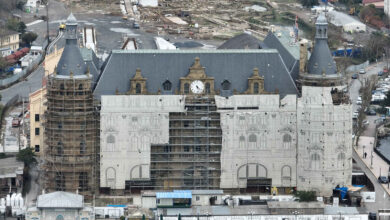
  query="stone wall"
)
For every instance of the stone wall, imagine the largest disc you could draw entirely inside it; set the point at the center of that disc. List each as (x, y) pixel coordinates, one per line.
(324, 141)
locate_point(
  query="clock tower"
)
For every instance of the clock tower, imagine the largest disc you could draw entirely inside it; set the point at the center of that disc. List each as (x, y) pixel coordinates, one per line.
(197, 82)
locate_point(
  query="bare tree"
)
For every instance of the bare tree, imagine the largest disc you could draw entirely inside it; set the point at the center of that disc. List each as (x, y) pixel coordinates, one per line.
(368, 85)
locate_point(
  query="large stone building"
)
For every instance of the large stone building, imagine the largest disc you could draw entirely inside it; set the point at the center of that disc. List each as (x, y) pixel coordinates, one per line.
(227, 119)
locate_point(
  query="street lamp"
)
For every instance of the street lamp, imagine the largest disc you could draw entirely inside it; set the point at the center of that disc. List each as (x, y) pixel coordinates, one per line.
(372, 156)
(364, 146)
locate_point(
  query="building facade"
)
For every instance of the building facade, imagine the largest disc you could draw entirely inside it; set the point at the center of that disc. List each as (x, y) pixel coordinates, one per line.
(9, 40)
(230, 119)
(60, 206)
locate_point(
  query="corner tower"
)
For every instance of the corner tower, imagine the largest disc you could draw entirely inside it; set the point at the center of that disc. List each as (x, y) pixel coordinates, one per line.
(71, 125)
(321, 69)
(324, 122)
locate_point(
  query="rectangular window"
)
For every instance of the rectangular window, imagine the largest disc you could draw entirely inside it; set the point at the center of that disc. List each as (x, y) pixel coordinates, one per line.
(36, 117)
(36, 131)
(197, 198)
(37, 148)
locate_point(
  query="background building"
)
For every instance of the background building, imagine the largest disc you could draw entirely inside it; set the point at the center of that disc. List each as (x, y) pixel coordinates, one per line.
(60, 206)
(9, 41)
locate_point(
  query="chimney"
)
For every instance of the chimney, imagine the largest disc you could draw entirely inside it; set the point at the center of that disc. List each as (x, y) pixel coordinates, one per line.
(302, 56)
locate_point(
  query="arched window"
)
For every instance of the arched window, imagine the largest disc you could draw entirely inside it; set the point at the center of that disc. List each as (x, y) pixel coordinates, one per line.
(60, 149)
(225, 85)
(286, 172)
(315, 161)
(83, 181)
(256, 88)
(340, 159)
(82, 147)
(252, 141)
(242, 142)
(80, 86)
(319, 31)
(137, 88)
(286, 141)
(60, 217)
(167, 85)
(186, 88)
(208, 90)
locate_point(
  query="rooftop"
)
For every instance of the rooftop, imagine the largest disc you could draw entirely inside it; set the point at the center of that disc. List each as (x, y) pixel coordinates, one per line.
(242, 41)
(176, 194)
(6, 32)
(294, 205)
(10, 167)
(157, 66)
(60, 200)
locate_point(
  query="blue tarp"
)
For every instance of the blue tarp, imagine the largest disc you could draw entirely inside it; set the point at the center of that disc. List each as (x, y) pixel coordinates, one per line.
(343, 191)
(176, 194)
(117, 206)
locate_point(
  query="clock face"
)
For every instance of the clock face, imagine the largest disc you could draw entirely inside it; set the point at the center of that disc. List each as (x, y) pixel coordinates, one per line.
(197, 87)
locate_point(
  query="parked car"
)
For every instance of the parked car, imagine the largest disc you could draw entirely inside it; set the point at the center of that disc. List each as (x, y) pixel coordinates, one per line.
(366, 122)
(371, 112)
(362, 71)
(372, 215)
(383, 179)
(15, 122)
(355, 115)
(355, 76)
(135, 25)
(380, 73)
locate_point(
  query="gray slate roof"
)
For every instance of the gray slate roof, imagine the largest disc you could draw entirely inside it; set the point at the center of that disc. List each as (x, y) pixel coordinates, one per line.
(157, 66)
(10, 167)
(60, 200)
(91, 61)
(71, 19)
(71, 60)
(242, 41)
(288, 51)
(321, 59)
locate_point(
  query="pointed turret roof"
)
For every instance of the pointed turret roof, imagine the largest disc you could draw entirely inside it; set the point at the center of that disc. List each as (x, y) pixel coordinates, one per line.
(71, 19)
(71, 61)
(321, 61)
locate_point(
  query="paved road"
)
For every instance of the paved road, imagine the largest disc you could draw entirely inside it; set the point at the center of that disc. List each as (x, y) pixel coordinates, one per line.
(24, 88)
(382, 198)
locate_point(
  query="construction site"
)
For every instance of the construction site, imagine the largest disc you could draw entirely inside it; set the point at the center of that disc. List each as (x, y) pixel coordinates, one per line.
(191, 160)
(218, 20)
(71, 128)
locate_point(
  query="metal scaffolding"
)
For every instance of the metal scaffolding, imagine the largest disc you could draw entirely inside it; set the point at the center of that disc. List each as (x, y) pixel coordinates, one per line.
(191, 160)
(71, 135)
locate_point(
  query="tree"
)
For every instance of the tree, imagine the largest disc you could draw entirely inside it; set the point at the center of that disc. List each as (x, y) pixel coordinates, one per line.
(22, 27)
(368, 85)
(12, 24)
(306, 196)
(20, 5)
(27, 156)
(3, 63)
(309, 3)
(29, 37)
